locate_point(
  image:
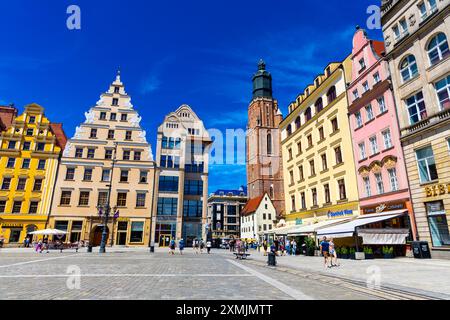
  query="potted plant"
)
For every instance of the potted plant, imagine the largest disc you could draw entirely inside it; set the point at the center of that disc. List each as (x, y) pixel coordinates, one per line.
(344, 253)
(368, 252)
(310, 246)
(388, 252)
(352, 253)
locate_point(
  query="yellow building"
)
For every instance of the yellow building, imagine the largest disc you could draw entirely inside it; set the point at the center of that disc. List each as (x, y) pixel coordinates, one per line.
(318, 165)
(30, 150)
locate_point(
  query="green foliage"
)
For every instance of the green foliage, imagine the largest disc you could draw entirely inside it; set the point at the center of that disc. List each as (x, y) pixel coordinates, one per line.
(344, 250)
(368, 250)
(352, 250)
(310, 243)
(338, 250)
(388, 250)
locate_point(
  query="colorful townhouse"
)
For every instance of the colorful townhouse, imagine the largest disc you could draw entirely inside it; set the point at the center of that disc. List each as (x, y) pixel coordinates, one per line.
(380, 165)
(30, 151)
(416, 34)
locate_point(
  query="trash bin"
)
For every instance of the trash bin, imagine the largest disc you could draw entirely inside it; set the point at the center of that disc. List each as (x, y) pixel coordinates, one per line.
(421, 250)
(89, 249)
(271, 259)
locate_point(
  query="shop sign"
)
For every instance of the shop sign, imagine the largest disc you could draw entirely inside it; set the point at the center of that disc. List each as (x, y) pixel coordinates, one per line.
(298, 221)
(437, 190)
(12, 225)
(339, 214)
(123, 219)
(385, 207)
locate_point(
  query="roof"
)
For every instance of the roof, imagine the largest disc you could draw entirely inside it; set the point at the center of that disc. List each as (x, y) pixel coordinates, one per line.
(234, 192)
(59, 133)
(252, 205)
(379, 47)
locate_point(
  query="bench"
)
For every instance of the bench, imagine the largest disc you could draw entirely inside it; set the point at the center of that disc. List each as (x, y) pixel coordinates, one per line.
(63, 246)
(241, 255)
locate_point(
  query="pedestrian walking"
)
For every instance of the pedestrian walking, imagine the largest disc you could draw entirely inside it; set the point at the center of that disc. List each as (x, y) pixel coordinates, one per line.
(333, 254)
(288, 247)
(172, 246)
(265, 247)
(39, 246)
(202, 246)
(325, 250)
(208, 246)
(294, 247)
(181, 246)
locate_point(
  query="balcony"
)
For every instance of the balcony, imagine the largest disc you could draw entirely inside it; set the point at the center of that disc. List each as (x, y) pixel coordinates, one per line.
(426, 123)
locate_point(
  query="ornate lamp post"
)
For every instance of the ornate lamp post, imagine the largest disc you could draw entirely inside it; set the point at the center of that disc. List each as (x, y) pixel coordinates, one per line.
(105, 210)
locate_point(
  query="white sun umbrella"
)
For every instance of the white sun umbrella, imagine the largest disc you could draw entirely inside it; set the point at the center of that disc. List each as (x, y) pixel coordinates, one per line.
(48, 232)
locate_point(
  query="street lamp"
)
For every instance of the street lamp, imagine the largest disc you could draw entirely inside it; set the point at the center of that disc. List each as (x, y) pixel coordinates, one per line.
(151, 242)
(105, 210)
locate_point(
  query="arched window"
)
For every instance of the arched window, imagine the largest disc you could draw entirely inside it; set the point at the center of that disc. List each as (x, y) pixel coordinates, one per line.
(438, 48)
(408, 68)
(319, 105)
(269, 143)
(331, 95)
(289, 130)
(308, 114)
(297, 123)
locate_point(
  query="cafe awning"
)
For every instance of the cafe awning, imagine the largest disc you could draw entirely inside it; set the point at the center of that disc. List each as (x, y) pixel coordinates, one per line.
(283, 230)
(312, 228)
(348, 229)
(383, 236)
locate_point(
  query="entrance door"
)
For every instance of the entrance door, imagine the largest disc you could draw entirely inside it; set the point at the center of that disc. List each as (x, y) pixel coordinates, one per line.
(121, 238)
(97, 237)
(164, 240)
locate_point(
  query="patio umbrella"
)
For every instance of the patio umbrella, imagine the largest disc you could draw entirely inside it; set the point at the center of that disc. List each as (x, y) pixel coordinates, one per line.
(49, 232)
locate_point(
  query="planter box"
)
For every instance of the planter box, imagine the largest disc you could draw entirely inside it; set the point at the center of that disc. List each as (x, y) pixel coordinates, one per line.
(389, 256)
(344, 256)
(360, 256)
(352, 256)
(369, 256)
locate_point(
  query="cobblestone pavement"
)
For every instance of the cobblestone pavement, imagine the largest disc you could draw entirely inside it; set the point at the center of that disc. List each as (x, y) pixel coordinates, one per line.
(137, 274)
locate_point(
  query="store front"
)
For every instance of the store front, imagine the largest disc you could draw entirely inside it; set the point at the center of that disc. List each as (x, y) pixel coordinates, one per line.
(14, 230)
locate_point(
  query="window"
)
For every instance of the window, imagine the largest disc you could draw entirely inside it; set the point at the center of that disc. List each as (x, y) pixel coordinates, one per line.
(373, 145)
(26, 163)
(324, 162)
(355, 94)
(122, 199)
(91, 153)
(6, 183)
(41, 164)
(299, 147)
(312, 168)
(293, 203)
(115, 102)
(84, 198)
(113, 116)
(298, 123)
(11, 163)
(437, 221)
(321, 134)
(194, 209)
(93, 134)
(382, 105)
(379, 182)
(108, 154)
(11, 145)
(365, 87)
(334, 124)
(168, 184)
(21, 184)
(331, 94)
(416, 108)
(269, 143)
(140, 199)
(359, 120)
(193, 187)
(26, 145)
(326, 190)
(443, 93)
(338, 155)
(393, 179)
(106, 175)
(300, 170)
(362, 151)
(123, 175)
(314, 197)
(291, 176)
(110, 134)
(65, 198)
(126, 155)
(387, 139)
(78, 153)
(319, 105)
(143, 177)
(362, 64)
(376, 77)
(290, 154)
(17, 206)
(303, 199)
(403, 27)
(2, 206)
(167, 206)
(102, 115)
(369, 113)
(367, 187)
(426, 165)
(123, 117)
(308, 114)
(438, 49)
(75, 232)
(37, 185)
(102, 198)
(289, 130)
(128, 135)
(310, 141)
(137, 232)
(137, 156)
(33, 207)
(32, 119)
(87, 174)
(40, 146)
(408, 68)
(30, 132)
(342, 192)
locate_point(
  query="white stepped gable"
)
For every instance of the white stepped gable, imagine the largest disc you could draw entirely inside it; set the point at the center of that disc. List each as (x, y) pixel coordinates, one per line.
(101, 102)
(90, 116)
(68, 149)
(79, 131)
(135, 120)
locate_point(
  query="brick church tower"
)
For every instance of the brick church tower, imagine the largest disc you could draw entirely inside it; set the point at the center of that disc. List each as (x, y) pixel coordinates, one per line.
(264, 165)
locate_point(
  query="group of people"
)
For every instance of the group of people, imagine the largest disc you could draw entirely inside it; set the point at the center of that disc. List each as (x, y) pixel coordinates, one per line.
(328, 250)
(280, 247)
(197, 244)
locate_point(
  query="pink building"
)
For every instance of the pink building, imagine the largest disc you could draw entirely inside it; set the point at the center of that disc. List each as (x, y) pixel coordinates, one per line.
(381, 172)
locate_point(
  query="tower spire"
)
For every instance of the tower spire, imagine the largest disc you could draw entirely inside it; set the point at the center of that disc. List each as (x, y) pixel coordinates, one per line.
(262, 82)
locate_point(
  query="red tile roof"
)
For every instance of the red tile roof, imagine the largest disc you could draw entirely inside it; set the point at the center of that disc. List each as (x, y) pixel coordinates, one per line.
(7, 116)
(252, 205)
(379, 47)
(58, 131)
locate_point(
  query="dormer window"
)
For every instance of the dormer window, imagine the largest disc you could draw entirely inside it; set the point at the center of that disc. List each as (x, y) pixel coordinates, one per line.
(317, 82)
(123, 117)
(328, 71)
(362, 64)
(32, 119)
(115, 102)
(102, 115)
(116, 89)
(112, 117)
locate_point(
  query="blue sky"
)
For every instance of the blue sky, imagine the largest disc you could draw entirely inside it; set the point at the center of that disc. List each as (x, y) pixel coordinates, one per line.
(198, 52)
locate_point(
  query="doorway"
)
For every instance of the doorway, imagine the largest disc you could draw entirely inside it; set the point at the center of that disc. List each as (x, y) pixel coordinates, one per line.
(97, 237)
(164, 240)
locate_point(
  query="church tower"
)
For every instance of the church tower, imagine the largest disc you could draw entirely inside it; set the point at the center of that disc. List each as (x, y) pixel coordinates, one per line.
(264, 165)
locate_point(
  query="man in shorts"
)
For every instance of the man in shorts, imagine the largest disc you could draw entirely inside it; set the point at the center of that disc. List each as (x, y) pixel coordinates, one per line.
(325, 250)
